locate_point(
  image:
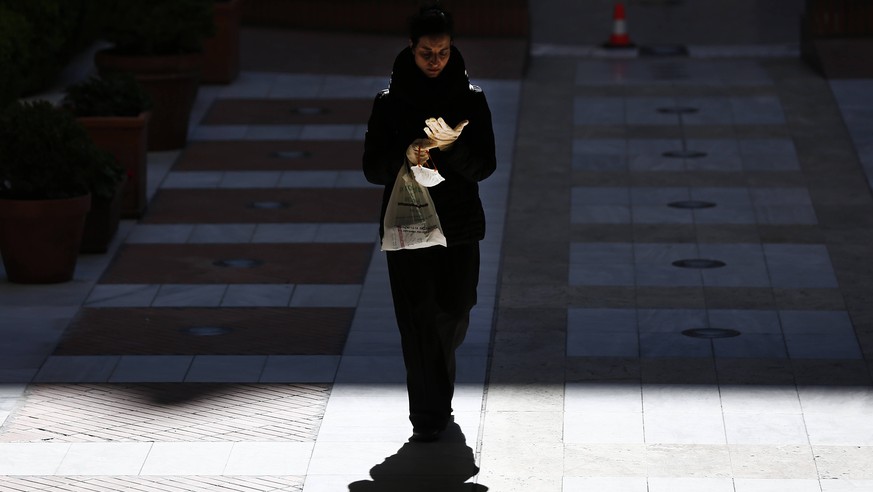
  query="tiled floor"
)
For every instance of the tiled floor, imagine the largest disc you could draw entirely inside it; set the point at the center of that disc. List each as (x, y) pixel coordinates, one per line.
(241, 334)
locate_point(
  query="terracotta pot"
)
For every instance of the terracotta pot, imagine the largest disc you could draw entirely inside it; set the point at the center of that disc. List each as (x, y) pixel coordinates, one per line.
(221, 51)
(126, 138)
(102, 220)
(40, 239)
(171, 81)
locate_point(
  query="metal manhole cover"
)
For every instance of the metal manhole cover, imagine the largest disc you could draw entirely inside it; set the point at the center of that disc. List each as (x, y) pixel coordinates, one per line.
(238, 263)
(309, 110)
(678, 110)
(684, 154)
(698, 263)
(711, 333)
(206, 331)
(292, 154)
(691, 204)
(269, 205)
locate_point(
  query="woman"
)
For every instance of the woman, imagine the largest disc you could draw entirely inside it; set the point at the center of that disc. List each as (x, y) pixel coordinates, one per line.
(431, 112)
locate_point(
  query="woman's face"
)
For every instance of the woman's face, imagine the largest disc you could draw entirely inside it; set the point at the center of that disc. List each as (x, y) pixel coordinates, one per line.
(432, 53)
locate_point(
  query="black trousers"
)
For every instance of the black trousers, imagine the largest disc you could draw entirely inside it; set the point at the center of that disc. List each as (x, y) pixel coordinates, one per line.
(434, 290)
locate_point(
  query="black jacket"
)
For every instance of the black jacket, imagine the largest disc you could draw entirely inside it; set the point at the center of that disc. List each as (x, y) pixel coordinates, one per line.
(398, 118)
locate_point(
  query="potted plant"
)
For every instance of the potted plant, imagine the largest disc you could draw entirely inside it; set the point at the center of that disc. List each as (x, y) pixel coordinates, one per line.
(221, 50)
(48, 169)
(160, 42)
(114, 109)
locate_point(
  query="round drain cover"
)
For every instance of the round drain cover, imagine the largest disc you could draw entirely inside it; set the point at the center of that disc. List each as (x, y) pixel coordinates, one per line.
(691, 204)
(268, 205)
(238, 263)
(206, 331)
(309, 110)
(678, 110)
(292, 154)
(684, 154)
(698, 263)
(711, 333)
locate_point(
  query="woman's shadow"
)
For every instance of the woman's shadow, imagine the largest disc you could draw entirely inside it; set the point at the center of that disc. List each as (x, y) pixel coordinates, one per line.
(442, 466)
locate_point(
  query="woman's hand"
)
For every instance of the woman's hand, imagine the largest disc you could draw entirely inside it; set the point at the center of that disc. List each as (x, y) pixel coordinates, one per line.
(441, 133)
(417, 152)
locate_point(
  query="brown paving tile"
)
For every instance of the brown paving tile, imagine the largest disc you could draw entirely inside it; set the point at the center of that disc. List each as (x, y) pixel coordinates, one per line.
(335, 205)
(288, 111)
(263, 155)
(295, 263)
(251, 331)
(163, 412)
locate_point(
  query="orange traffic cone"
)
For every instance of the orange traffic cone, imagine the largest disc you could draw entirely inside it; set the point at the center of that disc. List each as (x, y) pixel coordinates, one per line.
(619, 37)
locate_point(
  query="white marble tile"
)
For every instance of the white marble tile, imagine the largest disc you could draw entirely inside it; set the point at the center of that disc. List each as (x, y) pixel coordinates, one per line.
(765, 429)
(269, 458)
(347, 233)
(160, 233)
(308, 179)
(189, 295)
(294, 86)
(607, 484)
(187, 458)
(356, 457)
(226, 368)
(837, 400)
(249, 179)
(603, 428)
(520, 462)
(326, 295)
(332, 132)
(759, 400)
(151, 369)
(846, 485)
(285, 233)
(690, 484)
(525, 427)
(272, 132)
(122, 295)
(374, 425)
(300, 369)
(192, 179)
(774, 485)
(31, 458)
(260, 295)
(371, 369)
(526, 397)
(670, 398)
(684, 428)
(373, 342)
(603, 397)
(222, 233)
(104, 458)
(77, 369)
(839, 429)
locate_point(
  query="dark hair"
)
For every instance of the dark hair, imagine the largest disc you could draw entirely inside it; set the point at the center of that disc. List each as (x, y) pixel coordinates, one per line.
(430, 21)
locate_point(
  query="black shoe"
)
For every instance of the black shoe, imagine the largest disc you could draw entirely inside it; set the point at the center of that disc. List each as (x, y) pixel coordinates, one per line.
(425, 435)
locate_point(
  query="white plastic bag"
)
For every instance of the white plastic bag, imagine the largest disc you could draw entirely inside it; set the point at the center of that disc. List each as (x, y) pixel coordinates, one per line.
(411, 221)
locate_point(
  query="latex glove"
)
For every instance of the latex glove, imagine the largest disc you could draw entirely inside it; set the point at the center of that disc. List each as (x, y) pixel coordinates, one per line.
(417, 153)
(440, 132)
